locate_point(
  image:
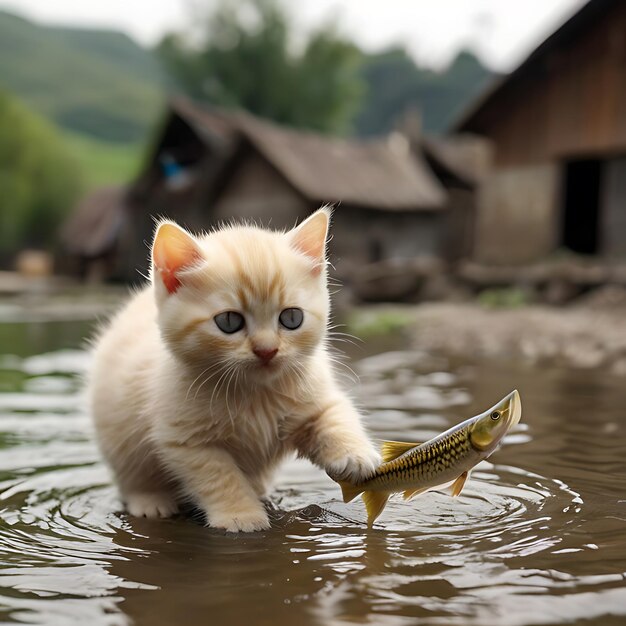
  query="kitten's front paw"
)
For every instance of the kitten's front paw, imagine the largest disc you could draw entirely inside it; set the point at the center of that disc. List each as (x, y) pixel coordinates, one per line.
(354, 466)
(151, 505)
(240, 521)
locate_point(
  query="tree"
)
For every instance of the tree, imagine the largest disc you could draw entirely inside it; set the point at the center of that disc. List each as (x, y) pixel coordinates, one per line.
(245, 57)
(396, 83)
(39, 182)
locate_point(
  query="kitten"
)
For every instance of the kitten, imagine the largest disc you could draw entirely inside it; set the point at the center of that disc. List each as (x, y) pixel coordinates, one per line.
(219, 369)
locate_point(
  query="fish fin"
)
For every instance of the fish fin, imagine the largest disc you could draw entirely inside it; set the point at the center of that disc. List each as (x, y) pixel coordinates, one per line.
(349, 491)
(375, 502)
(457, 486)
(411, 493)
(391, 450)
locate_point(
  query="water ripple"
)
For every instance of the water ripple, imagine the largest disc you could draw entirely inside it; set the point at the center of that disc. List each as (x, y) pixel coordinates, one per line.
(521, 545)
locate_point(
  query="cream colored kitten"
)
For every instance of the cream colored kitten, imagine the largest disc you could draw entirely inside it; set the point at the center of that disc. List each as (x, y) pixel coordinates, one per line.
(218, 369)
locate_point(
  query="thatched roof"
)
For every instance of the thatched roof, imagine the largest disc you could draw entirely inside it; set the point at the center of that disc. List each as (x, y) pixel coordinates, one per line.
(381, 174)
(93, 227)
(460, 160)
(384, 174)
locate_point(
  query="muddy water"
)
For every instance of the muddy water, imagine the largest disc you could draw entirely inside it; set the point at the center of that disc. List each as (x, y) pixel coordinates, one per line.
(537, 537)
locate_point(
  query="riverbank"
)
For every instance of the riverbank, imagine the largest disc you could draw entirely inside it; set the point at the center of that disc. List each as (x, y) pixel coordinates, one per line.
(49, 299)
(586, 336)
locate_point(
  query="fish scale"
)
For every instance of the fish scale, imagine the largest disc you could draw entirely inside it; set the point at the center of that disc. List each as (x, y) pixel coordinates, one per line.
(427, 460)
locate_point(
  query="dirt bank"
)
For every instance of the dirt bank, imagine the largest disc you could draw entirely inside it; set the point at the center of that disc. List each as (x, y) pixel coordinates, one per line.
(578, 337)
(582, 337)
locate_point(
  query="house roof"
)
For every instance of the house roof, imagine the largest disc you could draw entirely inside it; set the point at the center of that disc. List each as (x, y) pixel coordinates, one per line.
(382, 174)
(455, 160)
(471, 118)
(214, 126)
(92, 228)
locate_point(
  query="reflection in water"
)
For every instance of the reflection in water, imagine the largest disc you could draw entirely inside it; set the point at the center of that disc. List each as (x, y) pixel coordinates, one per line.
(535, 538)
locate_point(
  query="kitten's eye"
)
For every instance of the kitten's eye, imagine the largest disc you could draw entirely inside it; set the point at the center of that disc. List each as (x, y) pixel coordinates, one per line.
(230, 321)
(291, 318)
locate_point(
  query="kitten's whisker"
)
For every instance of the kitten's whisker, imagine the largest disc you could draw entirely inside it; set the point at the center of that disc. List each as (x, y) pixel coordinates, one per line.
(334, 333)
(293, 369)
(232, 372)
(238, 404)
(353, 375)
(300, 373)
(221, 366)
(206, 380)
(202, 373)
(219, 385)
(335, 340)
(194, 382)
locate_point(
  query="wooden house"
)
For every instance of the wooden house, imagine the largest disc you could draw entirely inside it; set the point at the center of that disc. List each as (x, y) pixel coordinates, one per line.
(558, 130)
(209, 166)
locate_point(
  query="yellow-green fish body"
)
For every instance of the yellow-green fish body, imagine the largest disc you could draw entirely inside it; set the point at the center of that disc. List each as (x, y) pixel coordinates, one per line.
(415, 468)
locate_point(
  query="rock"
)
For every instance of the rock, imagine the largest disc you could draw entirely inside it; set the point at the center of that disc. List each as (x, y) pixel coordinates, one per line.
(583, 353)
(560, 291)
(34, 263)
(570, 275)
(619, 367)
(604, 298)
(394, 280)
(443, 287)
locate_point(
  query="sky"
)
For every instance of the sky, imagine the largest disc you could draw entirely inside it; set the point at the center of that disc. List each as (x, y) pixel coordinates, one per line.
(502, 32)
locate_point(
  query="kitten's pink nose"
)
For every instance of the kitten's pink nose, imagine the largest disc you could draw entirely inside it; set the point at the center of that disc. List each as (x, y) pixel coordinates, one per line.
(265, 355)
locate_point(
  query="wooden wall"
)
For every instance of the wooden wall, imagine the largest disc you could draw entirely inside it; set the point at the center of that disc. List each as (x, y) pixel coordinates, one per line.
(570, 101)
(362, 236)
(517, 221)
(256, 191)
(459, 227)
(613, 209)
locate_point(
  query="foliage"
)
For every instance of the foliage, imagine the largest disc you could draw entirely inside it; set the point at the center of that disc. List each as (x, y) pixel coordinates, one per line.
(368, 323)
(96, 82)
(38, 180)
(503, 298)
(101, 83)
(245, 59)
(104, 163)
(396, 83)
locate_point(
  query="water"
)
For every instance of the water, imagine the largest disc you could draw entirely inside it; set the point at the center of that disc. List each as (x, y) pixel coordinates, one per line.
(537, 537)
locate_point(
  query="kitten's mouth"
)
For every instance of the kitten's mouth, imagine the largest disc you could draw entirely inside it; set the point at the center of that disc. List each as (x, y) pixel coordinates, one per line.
(268, 368)
(269, 365)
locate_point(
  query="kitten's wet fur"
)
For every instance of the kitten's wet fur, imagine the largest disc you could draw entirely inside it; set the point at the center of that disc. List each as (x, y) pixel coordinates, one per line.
(184, 410)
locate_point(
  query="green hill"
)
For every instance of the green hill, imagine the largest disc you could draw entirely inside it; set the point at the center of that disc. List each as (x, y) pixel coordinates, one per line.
(104, 162)
(396, 83)
(96, 82)
(39, 178)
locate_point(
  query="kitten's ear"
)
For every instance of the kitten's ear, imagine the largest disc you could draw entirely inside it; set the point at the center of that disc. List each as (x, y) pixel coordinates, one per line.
(310, 237)
(173, 250)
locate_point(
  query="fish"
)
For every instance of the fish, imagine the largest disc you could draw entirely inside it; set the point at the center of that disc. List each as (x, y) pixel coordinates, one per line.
(414, 468)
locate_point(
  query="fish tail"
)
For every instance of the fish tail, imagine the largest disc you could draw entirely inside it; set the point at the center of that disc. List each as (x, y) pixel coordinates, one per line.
(375, 502)
(349, 491)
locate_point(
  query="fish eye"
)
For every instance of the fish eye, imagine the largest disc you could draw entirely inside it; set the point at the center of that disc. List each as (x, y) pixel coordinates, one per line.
(291, 318)
(495, 415)
(229, 322)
